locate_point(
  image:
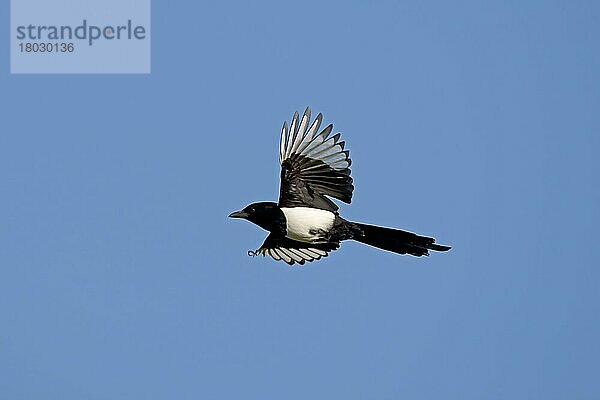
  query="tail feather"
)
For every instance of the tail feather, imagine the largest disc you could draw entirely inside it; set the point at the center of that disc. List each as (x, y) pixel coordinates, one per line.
(396, 240)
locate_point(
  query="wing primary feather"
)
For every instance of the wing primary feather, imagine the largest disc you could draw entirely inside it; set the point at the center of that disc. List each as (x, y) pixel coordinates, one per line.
(282, 143)
(325, 145)
(306, 254)
(301, 130)
(274, 254)
(333, 158)
(283, 256)
(325, 132)
(314, 255)
(291, 135)
(309, 137)
(325, 153)
(320, 138)
(318, 149)
(292, 255)
(317, 140)
(298, 254)
(288, 255)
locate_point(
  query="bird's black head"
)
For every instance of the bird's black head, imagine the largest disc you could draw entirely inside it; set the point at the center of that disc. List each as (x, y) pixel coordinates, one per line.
(265, 214)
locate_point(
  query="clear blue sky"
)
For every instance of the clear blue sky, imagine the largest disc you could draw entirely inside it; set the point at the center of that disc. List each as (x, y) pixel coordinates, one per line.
(122, 278)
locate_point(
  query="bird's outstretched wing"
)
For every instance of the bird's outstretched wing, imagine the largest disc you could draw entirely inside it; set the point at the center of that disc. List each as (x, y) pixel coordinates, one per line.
(291, 251)
(313, 165)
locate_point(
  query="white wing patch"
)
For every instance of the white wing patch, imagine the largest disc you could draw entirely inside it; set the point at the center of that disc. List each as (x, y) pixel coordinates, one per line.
(298, 140)
(307, 224)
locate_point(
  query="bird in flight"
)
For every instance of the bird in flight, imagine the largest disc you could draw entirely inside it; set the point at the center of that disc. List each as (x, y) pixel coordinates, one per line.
(305, 224)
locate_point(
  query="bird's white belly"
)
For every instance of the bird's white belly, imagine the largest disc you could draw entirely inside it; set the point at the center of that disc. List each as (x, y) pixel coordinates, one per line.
(307, 224)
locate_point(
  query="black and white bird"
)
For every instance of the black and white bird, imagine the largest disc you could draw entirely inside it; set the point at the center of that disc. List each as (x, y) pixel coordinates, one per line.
(305, 224)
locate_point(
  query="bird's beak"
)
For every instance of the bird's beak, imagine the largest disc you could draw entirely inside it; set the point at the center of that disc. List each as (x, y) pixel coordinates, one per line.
(238, 214)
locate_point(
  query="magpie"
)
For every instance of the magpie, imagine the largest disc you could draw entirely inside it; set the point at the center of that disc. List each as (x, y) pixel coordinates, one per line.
(305, 224)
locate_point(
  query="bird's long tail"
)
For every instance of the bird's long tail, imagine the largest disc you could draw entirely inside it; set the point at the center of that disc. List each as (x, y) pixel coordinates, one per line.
(396, 240)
